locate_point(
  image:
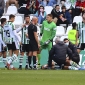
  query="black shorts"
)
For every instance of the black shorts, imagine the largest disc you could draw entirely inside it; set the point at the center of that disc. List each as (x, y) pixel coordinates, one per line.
(33, 46)
(82, 46)
(24, 48)
(76, 59)
(3, 49)
(11, 46)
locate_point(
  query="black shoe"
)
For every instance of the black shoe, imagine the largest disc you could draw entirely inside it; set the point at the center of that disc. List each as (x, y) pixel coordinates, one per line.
(20, 67)
(26, 67)
(30, 67)
(34, 68)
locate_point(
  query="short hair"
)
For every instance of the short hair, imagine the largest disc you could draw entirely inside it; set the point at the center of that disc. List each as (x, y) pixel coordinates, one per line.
(63, 7)
(41, 6)
(74, 25)
(3, 20)
(56, 6)
(65, 39)
(50, 15)
(11, 16)
(27, 16)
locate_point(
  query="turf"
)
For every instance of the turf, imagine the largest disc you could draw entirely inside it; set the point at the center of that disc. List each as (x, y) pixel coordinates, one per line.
(42, 77)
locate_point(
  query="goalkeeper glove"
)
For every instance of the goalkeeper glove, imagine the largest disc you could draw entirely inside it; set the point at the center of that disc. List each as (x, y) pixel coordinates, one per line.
(47, 42)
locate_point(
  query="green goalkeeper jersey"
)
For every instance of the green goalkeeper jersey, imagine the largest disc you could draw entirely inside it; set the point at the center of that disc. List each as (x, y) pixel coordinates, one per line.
(48, 31)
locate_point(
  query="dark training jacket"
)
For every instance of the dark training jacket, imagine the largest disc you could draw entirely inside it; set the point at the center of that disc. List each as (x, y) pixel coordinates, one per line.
(60, 50)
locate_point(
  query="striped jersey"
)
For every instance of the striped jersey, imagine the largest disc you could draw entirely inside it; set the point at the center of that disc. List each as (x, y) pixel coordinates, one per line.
(24, 39)
(81, 29)
(8, 29)
(2, 33)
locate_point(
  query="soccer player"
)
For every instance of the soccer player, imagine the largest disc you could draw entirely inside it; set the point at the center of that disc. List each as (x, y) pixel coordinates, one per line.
(12, 40)
(48, 32)
(33, 43)
(25, 43)
(81, 30)
(2, 41)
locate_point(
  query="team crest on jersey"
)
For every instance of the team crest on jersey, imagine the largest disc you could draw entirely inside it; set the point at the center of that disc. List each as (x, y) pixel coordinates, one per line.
(47, 29)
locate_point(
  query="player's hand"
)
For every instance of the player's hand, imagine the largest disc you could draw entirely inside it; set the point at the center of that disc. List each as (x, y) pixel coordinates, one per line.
(47, 42)
(20, 43)
(23, 25)
(39, 45)
(33, 2)
(26, 35)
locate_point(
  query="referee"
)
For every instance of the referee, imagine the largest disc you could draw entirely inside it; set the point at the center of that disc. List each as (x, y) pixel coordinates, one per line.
(33, 43)
(81, 29)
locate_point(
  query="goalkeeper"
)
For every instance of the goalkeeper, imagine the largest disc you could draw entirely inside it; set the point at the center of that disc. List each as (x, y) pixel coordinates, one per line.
(48, 32)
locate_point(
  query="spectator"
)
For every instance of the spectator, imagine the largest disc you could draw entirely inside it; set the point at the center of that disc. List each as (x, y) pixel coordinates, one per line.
(65, 16)
(9, 2)
(78, 8)
(46, 2)
(56, 13)
(31, 8)
(2, 5)
(41, 14)
(21, 2)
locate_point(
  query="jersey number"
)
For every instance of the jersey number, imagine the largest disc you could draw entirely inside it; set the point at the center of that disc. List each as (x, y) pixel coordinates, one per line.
(7, 33)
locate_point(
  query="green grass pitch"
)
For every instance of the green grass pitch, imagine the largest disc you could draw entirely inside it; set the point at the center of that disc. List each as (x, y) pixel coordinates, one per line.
(42, 77)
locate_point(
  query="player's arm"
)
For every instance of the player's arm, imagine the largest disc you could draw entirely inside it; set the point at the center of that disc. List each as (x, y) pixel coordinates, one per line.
(53, 33)
(42, 28)
(20, 28)
(2, 41)
(69, 52)
(77, 37)
(16, 35)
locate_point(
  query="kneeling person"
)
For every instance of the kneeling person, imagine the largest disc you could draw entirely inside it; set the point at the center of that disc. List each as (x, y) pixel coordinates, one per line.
(75, 55)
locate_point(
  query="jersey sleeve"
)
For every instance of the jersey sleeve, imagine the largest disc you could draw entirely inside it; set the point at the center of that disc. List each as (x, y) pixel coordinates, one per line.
(13, 26)
(42, 28)
(16, 36)
(53, 32)
(34, 29)
(0, 30)
(2, 41)
(18, 29)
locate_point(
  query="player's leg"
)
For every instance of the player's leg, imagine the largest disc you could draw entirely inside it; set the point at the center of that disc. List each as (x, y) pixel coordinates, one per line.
(30, 58)
(4, 58)
(0, 50)
(22, 50)
(4, 53)
(9, 61)
(27, 52)
(72, 63)
(34, 59)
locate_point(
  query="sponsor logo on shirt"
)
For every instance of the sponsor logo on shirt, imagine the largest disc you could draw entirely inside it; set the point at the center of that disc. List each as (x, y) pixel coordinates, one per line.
(47, 29)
